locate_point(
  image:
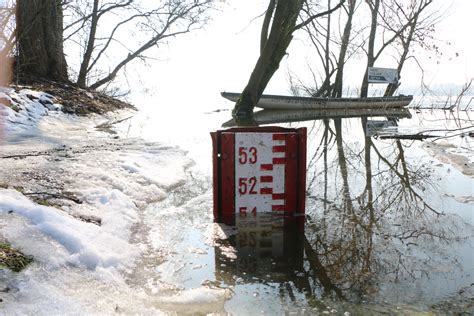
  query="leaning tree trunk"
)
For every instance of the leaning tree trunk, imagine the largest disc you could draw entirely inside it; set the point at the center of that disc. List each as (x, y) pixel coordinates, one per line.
(40, 40)
(272, 51)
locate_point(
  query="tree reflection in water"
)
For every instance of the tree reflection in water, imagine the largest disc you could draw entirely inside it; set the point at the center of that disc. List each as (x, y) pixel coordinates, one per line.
(370, 223)
(375, 229)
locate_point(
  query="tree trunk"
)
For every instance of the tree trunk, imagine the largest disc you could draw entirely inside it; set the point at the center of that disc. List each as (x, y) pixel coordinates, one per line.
(81, 78)
(337, 91)
(284, 21)
(266, 24)
(40, 40)
(327, 45)
(5, 68)
(374, 8)
(392, 87)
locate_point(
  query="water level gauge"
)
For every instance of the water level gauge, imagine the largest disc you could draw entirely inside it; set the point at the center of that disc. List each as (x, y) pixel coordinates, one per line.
(258, 170)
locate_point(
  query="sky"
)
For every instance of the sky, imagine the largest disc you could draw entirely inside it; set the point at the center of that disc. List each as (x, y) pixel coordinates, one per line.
(456, 28)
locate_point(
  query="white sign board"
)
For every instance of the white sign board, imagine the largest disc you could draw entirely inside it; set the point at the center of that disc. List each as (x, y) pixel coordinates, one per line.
(382, 75)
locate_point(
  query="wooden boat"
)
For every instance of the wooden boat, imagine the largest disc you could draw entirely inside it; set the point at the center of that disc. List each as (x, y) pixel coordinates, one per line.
(286, 116)
(281, 102)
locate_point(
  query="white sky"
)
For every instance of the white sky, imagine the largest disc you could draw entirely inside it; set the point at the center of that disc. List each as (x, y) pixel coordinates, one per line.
(195, 68)
(457, 28)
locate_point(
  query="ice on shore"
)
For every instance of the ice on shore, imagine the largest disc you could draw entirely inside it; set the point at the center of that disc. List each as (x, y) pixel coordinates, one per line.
(87, 244)
(87, 255)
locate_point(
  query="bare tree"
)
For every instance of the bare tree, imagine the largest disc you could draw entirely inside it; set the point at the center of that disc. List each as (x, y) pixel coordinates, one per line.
(331, 50)
(394, 29)
(345, 40)
(374, 6)
(319, 34)
(402, 23)
(115, 33)
(7, 28)
(420, 27)
(283, 16)
(336, 41)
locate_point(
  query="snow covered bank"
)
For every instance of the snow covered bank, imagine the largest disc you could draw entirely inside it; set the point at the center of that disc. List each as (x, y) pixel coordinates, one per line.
(74, 197)
(23, 109)
(86, 244)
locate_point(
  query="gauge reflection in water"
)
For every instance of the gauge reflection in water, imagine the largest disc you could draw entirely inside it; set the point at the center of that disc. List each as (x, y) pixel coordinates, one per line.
(266, 247)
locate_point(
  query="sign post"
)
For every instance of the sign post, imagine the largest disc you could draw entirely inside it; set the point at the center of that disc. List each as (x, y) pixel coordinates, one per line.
(258, 170)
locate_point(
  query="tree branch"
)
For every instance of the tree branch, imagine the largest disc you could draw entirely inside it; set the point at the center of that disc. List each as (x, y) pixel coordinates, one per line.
(329, 11)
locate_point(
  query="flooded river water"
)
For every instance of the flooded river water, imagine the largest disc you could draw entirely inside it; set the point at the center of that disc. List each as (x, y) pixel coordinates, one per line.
(389, 224)
(117, 215)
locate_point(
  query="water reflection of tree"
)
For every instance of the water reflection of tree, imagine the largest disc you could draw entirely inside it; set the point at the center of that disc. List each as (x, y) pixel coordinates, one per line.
(367, 216)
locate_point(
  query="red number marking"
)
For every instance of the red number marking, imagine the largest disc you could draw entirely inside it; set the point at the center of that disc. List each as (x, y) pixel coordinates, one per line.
(242, 185)
(253, 183)
(247, 186)
(242, 155)
(253, 152)
(247, 155)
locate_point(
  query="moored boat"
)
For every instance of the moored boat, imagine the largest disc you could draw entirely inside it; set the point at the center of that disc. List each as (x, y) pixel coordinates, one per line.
(281, 102)
(263, 117)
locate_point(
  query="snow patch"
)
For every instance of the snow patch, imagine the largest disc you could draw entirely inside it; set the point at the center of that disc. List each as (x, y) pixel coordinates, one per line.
(165, 170)
(197, 301)
(26, 107)
(219, 232)
(88, 245)
(456, 156)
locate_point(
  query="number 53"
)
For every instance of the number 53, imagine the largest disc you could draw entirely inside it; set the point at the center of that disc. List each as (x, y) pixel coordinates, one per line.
(247, 155)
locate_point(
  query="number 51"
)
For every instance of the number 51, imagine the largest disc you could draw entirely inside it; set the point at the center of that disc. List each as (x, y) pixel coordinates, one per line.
(243, 211)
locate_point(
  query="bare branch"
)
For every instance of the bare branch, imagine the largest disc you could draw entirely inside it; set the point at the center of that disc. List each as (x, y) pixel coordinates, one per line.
(175, 15)
(154, 22)
(313, 17)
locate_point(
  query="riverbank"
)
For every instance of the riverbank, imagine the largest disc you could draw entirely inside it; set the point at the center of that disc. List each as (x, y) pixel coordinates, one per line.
(74, 197)
(73, 100)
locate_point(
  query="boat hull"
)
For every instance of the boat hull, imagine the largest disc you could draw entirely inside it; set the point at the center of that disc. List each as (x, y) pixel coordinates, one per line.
(274, 102)
(263, 117)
